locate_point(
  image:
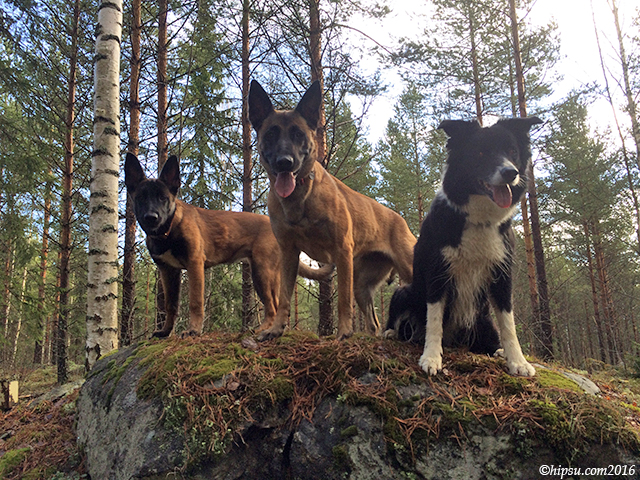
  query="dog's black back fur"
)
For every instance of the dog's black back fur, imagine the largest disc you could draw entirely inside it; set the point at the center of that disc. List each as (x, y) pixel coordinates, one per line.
(474, 155)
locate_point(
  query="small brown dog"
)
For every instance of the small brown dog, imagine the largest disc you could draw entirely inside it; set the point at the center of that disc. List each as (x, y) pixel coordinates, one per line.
(314, 212)
(181, 236)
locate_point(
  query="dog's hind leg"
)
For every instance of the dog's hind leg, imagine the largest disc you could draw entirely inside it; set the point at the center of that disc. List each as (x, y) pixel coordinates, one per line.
(484, 337)
(369, 273)
(266, 282)
(170, 278)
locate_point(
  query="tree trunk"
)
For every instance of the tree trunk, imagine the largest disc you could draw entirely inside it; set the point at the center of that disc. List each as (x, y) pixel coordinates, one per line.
(544, 311)
(162, 129)
(38, 351)
(631, 107)
(102, 308)
(477, 85)
(610, 323)
(16, 337)
(247, 200)
(67, 183)
(6, 297)
(128, 272)
(594, 296)
(325, 294)
(629, 93)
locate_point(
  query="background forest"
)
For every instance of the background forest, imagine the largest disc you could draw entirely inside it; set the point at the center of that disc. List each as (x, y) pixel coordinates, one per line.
(184, 65)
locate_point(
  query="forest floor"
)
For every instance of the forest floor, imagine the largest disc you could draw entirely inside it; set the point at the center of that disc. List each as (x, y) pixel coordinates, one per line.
(38, 441)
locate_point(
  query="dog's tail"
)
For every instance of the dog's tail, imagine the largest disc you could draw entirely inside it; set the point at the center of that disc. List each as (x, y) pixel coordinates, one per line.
(321, 273)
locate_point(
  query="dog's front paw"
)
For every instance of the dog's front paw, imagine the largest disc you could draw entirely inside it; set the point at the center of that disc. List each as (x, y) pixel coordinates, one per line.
(160, 334)
(344, 334)
(431, 365)
(269, 334)
(390, 334)
(521, 368)
(189, 333)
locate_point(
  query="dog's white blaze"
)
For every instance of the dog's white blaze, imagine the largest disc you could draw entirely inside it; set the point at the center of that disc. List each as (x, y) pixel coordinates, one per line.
(431, 359)
(498, 179)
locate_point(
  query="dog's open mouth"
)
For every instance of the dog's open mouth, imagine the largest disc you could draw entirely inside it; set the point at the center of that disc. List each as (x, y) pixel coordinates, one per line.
(285, 184)
(501, 194)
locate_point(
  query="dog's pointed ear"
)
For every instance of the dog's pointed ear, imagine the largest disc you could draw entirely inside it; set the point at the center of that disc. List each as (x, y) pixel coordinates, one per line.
(520, 124)
(309, 105)
(459, 128)
(133, 173)
(170, 174)
(260, 106)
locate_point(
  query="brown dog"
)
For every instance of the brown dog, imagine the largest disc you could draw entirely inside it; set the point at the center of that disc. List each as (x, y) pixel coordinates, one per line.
(181, 236)
(314, 212)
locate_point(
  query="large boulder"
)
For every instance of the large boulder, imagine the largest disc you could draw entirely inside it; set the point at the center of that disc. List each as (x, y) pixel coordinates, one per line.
(224, 407)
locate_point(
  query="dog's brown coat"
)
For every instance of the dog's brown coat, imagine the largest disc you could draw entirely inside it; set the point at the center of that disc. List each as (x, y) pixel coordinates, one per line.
(324, 218)
(199, 238)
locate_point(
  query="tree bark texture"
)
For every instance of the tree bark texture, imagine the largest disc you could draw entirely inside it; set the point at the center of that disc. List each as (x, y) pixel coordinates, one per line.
(102, 297)
(128, 267)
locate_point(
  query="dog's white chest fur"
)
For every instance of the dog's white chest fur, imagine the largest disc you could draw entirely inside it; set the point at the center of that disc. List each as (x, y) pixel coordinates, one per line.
(471, 263)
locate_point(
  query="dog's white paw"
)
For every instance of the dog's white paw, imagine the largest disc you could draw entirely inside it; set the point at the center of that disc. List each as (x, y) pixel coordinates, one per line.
(521, 368)
(391, 333)
(431, 365)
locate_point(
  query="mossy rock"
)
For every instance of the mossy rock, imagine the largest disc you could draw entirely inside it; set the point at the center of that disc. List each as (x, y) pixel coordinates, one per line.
(546, 378)
(12, 459)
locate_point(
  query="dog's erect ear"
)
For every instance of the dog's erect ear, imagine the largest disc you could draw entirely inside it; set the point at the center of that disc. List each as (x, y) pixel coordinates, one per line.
(309, 105)
(520, 125)
(458, 128)
(133, 173)
(260, 106)
(170, 174)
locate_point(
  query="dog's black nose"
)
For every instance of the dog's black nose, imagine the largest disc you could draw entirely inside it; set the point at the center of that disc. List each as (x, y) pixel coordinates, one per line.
(285, 163)
(509, 174)
(151, 217)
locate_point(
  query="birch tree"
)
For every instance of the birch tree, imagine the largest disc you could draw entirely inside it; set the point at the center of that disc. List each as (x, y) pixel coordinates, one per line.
(102, 331)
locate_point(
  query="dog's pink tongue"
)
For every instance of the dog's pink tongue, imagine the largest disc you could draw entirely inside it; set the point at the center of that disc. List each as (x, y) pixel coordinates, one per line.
(285, 184)
(502, 195)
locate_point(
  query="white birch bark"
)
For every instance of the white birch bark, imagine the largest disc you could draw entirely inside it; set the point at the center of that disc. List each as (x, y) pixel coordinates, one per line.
(102, 296)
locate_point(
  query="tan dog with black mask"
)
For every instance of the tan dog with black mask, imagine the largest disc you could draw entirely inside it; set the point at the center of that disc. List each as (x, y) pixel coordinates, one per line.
(311, 211)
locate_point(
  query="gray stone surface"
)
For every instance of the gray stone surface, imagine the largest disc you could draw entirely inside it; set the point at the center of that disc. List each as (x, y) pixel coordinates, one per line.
(123, 438)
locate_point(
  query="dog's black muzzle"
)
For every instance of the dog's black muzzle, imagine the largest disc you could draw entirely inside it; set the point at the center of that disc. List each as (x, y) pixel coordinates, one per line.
(509, 173)
(284, 163)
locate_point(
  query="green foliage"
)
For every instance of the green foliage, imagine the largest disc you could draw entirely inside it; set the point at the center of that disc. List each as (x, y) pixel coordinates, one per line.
(411, 157)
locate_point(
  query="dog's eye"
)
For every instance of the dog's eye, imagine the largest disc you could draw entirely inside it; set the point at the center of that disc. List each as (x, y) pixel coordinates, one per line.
(296, 135)
(513, 153)
(480, 154)
(271, 135)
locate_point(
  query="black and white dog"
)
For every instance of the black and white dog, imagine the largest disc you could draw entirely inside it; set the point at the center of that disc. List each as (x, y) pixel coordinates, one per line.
(462, 261)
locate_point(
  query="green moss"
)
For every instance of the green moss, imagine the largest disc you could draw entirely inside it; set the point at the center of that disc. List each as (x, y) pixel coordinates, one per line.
(292, 337)
(12, 459)
(341, 461)
(512, 385)
(216, 371)
(351, 431)
(550, 379)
